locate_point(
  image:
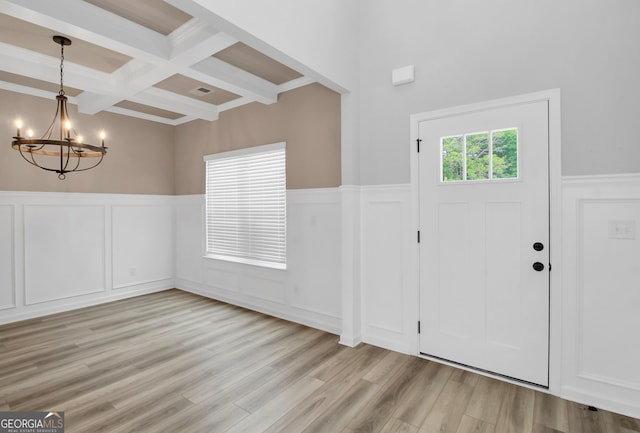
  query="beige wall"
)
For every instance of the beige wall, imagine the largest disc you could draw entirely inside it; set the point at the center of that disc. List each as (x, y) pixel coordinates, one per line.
(308, 119)
(138, 161)
(151, 158)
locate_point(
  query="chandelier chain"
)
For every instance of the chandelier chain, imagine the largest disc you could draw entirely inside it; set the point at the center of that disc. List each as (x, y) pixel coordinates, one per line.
(61, 92)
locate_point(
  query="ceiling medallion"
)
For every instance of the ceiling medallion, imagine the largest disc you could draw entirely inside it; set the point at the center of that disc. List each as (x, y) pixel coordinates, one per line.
(60, 149)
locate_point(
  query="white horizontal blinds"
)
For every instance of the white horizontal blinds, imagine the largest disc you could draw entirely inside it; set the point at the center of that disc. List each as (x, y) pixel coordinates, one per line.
(246, 204)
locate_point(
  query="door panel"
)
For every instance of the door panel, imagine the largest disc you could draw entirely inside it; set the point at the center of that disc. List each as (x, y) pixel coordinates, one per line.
(481, 302)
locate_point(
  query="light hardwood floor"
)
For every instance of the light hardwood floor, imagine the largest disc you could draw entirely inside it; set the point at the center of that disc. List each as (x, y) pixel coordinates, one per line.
(176, 362)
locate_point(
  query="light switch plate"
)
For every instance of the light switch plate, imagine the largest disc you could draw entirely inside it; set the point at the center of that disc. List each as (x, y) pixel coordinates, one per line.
(622, 229)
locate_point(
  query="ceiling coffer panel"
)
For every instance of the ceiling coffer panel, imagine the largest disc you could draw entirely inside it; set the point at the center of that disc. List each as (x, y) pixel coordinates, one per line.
(35, 38)
(156, 15)
(37, 84)
(244, 57)
(186, 86)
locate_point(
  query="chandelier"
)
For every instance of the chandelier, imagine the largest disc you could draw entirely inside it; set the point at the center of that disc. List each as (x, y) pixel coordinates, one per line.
(60, 149)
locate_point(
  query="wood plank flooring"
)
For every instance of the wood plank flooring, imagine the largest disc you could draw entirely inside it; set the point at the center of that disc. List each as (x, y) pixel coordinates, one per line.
(177, 362)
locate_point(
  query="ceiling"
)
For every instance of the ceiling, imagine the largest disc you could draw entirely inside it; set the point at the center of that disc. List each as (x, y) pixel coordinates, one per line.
(155, 60)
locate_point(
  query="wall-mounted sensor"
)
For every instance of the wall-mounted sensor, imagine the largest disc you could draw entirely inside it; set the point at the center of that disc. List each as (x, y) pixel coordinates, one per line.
(402, 75)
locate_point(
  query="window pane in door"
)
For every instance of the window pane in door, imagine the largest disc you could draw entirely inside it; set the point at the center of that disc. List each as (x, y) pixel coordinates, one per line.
(477, 156)
(452, 160)
(505, 153)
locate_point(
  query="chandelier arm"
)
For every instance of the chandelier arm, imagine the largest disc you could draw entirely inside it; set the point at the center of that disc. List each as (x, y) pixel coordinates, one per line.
(77, 162)
(35, 163)
(63, 169)
(27, 159)
(94, 165)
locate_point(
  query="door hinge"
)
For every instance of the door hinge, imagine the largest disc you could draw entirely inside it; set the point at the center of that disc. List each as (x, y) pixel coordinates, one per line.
(418, 326)
(418, 144)
(418, 236)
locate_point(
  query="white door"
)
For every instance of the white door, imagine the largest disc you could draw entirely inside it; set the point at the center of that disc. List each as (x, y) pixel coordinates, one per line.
(484, 240)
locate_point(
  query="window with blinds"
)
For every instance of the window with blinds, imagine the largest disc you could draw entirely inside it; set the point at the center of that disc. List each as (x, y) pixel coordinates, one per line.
(246, 205)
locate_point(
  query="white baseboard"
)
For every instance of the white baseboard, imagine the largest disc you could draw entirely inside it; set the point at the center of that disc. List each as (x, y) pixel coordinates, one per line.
(612, 404)
(314, 320)
(46, 309)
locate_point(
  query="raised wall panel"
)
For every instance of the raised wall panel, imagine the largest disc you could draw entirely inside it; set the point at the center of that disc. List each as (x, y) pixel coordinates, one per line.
(389, 312)
(267, 285)
(189, 240)
(142, 244)
(382, 257)
(609, 293)
(314, 260)
(64, 249)
(600, 292)
(7, 243)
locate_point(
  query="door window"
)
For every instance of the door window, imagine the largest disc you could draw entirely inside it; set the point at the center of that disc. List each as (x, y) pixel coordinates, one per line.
(487, 155)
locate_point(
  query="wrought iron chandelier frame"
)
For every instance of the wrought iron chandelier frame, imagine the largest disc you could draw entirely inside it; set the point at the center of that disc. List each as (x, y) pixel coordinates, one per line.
(65, 147)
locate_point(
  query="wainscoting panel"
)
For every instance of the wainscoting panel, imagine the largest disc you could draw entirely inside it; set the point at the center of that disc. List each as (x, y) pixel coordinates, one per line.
(190, 237)
(7, 279)
(601, 286)
(64, 244)
(313, 237)
(389, 315)
(142, 244)
(308, 291)
(56, 250)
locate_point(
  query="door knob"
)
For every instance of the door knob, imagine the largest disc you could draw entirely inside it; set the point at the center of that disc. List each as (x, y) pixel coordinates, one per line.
(538, 266)
(538, 246)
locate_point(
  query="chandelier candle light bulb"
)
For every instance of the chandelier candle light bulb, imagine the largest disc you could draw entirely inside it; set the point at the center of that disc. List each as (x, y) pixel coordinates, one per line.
(69, 154)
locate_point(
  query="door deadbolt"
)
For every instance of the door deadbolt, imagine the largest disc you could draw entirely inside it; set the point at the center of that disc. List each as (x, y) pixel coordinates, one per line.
(538, 246)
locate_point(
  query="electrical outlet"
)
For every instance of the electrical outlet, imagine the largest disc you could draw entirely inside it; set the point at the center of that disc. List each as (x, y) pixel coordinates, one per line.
(622, 229)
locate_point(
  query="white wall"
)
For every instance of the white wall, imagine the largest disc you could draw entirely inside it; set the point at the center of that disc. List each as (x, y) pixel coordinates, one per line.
(467, 51)
(64, 251)
(60, 251)
(601, 293)
(594, 322)
(307, 292)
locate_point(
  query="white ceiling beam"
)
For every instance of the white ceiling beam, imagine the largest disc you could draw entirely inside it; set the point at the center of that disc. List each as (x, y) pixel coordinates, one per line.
(144, 116)
(20, 61)
(92, 24)
(236, 80)
(170, 101)
(12, 87)
(294, 84)
(191, 48)
(196, 40)
(238, 102)
(138, 75)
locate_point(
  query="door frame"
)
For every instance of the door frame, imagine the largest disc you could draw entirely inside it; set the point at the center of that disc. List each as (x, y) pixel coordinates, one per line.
(552, 96)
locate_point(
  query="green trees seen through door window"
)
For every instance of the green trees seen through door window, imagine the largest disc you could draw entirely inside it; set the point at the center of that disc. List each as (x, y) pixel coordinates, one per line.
(480, 156)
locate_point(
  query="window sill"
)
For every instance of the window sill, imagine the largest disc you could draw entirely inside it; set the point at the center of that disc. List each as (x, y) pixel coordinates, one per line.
(251, 262)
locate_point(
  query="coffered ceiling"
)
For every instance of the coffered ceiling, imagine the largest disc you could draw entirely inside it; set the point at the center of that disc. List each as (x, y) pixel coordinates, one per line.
(158, 60)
